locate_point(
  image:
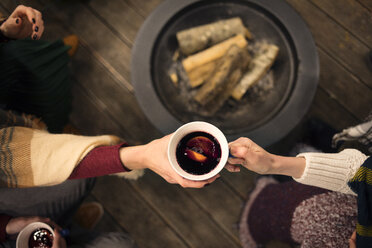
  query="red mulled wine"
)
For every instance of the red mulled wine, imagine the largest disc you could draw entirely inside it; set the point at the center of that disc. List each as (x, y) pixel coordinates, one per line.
(41, 238)
(198, 153)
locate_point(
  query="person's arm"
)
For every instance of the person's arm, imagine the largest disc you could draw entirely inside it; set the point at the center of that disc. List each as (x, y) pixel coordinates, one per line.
(40, 158)
(331, 170)
(255, 158)
(106, 160)
(103, 160)
(325, 170)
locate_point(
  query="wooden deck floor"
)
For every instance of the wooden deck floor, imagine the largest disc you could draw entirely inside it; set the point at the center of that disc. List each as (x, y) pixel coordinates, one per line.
(158, 214)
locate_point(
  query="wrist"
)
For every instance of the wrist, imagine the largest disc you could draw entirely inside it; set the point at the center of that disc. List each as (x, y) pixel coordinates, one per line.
(289, 166)
(132, 157)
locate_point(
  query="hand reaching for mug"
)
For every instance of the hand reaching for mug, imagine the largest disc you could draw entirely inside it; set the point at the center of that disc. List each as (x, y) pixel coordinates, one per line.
(250, 155)
(16, 224)
(255, 158)
(22, 23)
(154, 157)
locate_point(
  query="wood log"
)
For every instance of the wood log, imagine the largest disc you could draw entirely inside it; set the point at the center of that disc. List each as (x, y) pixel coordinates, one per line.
(200, 74)
(214, 105)
(260, 64)
(217, 89)
(198, 38)
(213, 53)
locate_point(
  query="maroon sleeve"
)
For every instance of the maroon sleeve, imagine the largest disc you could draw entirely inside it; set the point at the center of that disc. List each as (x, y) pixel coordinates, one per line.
(100, 161)
(4, 220)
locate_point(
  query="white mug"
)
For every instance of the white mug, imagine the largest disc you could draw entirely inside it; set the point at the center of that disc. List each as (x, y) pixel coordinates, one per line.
(24, 235)
(197, 126)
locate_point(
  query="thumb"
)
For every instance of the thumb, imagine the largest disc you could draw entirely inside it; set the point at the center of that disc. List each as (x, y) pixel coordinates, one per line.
(238, 151)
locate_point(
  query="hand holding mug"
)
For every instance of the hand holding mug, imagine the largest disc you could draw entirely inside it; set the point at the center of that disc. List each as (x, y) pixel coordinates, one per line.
(16, 224)
(251, 156)
(154, 156)
(35, 231)
(255, 158)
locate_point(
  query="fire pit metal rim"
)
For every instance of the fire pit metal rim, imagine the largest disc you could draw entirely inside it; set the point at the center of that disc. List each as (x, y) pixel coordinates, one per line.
(291, 113)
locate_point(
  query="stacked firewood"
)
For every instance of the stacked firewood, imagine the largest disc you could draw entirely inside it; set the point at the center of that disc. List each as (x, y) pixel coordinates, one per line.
(218, 63)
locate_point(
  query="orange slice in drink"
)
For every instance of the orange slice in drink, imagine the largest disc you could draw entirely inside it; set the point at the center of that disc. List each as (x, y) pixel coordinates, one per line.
(198, 157)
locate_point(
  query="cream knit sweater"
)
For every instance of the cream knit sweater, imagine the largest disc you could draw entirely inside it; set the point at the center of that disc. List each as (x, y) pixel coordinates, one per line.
(331, 170)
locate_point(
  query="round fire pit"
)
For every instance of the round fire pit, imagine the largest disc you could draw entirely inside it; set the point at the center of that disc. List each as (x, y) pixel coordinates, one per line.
(264, 117)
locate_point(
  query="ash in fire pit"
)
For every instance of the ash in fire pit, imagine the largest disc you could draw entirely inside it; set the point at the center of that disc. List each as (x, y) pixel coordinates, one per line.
(230, 67)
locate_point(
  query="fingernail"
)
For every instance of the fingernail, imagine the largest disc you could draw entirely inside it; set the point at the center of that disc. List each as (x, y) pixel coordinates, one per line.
(35, 37)
(33, 20)
(36, 28)
(17, 20)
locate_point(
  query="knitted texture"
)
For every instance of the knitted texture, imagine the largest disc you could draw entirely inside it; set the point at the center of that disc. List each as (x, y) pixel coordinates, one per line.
(37, 158)
(325, 220)
(331, 170)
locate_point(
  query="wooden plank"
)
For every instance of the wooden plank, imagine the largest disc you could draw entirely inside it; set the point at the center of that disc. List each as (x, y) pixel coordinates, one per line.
(8, 6)
(111, 97)
(337, 41)
(344, 87)
(4, 10)
(241, 183)
(331, 112)
(108, 48)
(118, 16)
(324, 108)
(186, 217)
(366, 3)
(107, 223)
(351, 15)
(144, 8)
(222, 204)
(134, 214)
(90, 119)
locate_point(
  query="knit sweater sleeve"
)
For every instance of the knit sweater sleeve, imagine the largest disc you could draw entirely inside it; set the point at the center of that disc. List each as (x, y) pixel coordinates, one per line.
(331, 170)
(100, 161)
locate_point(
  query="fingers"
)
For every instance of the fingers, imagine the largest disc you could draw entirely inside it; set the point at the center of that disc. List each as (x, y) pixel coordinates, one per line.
(352, 240)
(242, 141)
(185, 183)
(33, 16)
(44, 220)
(239, 152)
(232, 168)
(38, 27)
(211, 180)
